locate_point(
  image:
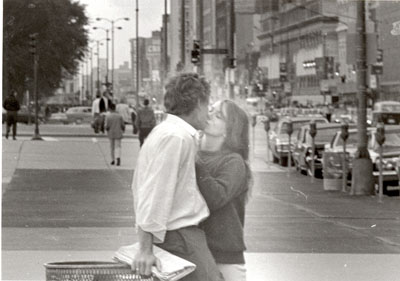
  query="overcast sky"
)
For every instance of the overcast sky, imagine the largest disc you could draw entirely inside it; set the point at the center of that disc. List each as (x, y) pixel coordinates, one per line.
(150, 18)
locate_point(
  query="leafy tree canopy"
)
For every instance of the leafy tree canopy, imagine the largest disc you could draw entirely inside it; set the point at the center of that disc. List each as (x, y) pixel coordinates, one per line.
(61, 42)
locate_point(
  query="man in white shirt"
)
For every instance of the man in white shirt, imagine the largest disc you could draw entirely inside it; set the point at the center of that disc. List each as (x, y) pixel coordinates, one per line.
(168, 203)
(99, 109)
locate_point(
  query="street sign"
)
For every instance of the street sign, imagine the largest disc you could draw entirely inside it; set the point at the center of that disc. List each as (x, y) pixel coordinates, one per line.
(215, 51)
(372, 81)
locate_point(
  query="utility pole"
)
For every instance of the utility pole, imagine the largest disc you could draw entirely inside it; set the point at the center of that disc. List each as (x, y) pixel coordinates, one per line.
(87, 79)
(362, 180)
(112, 55)
(91, 74)
(83, 85)
(107, 39)
(231, 45)
(201, 36)
(98, 67)
(137, 54)
(183, 33)
(165, 40)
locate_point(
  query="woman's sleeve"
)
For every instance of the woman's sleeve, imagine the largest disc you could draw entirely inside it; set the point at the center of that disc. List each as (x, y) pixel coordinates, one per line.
(227, 183)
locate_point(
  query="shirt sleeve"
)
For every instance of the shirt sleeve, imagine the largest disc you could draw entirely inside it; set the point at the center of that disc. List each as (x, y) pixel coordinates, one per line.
(226, 184)
(156, 186)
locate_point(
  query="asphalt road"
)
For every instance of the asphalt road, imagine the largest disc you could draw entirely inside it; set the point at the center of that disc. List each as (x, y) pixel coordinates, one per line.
(285, 214)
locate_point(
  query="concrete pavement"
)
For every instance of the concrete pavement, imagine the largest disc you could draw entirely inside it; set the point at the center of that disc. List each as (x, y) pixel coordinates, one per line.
(26, 247)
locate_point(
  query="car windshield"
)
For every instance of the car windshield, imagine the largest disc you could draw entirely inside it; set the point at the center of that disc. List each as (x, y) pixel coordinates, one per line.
(352, 140)
(323, 136)
(297, 125)
(392, 139)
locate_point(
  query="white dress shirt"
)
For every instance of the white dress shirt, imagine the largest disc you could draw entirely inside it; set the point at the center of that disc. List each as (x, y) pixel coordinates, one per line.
(96, 106)
(165, 191)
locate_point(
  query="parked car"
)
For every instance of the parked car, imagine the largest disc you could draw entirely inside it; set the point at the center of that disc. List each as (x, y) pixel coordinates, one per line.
(79, 114)
(302, 148)
(24, 115)
(57, 118)
(387, 112)
(279, 139)
(391, 153)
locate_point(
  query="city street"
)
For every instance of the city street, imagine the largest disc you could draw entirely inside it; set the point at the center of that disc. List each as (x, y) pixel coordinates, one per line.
(62, 201)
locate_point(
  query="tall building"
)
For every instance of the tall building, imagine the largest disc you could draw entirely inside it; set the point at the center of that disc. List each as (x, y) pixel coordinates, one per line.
(149, 66)
(143, 63)
(123, 83)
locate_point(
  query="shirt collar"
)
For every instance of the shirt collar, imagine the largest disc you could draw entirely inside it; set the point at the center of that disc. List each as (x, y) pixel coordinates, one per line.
(182, 123)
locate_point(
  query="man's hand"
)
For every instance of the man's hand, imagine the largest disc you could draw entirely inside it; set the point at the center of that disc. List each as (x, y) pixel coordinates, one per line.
(145, 257)
(143, 262)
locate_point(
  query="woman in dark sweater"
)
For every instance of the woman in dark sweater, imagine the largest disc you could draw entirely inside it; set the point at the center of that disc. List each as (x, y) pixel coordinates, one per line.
(224, 179)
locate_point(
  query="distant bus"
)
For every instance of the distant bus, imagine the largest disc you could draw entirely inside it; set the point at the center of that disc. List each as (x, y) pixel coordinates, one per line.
(387, 112)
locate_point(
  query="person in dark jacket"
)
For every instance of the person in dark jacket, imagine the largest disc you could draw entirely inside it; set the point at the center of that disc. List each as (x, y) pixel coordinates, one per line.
(12, 106)
(145, 121)
(115, 127)
(224, 179)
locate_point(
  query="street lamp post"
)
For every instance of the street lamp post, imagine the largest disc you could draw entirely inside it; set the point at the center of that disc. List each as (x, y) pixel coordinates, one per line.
(137, 53)
(112, 42)
(91, 73)
(36, 135)
(108, 39)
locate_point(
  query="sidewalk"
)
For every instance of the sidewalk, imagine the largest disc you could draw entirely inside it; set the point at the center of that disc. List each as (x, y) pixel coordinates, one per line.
(31, 244)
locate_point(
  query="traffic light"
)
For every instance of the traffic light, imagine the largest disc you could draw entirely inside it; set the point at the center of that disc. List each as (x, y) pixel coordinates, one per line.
(379, 55)
(32, 43)
(330, 67)
(196, 52)
(282, 72)
(371, 10)
(377, 68)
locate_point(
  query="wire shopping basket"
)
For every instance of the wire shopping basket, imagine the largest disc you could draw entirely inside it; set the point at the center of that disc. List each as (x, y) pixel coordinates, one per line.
(92, 271)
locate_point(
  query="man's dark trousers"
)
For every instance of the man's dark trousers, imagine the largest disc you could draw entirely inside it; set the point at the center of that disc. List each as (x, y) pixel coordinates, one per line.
(11, 120)
(190, 244)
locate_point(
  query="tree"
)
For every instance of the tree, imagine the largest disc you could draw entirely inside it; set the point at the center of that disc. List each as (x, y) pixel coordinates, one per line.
(61, 42)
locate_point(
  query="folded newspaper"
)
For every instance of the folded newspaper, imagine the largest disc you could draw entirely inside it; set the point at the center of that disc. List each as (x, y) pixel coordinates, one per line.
(172, 267)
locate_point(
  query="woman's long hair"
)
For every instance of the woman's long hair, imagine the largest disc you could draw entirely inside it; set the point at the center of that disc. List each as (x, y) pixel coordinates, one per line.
(237, 136)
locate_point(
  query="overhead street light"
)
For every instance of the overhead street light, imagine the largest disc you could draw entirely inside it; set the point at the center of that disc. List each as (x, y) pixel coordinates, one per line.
(108, 39)
(112, 41)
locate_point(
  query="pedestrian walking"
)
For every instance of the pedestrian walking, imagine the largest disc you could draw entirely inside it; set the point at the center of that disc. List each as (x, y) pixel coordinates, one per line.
(133, 119)
(115, 127)
(12, 106)
(99, 109)
(145, 121)
(167, 202)
(224, 179)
